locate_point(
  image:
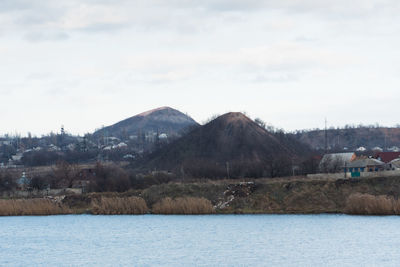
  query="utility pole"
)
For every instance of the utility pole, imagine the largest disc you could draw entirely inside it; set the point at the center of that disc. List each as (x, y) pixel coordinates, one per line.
(292, 168)
(326, 136)
(385, 145)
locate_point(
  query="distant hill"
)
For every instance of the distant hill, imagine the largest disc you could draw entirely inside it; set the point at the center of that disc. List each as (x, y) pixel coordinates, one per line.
(351, 138)
(163, 120)
(230, 145)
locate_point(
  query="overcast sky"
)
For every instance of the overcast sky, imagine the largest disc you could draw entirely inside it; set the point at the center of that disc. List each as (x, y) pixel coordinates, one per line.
(88, 63)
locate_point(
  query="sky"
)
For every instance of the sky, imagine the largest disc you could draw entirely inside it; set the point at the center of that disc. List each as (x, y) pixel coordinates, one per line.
(88, 63)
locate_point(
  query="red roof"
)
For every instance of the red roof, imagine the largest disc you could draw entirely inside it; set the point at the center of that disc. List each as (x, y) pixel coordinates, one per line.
(387, 156)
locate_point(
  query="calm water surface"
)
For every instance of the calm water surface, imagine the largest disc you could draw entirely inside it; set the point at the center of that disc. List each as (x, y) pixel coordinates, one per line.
(218, 240)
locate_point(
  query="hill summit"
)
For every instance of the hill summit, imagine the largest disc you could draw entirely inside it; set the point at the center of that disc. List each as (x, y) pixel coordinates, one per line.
(163, 120)
(230, 145)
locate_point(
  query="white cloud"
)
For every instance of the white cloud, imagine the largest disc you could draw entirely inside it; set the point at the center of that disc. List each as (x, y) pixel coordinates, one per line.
(105, 60)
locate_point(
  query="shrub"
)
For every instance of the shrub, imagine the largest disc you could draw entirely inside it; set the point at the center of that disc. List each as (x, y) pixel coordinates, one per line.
(365, 204)
(15, 207)
(109, 178)
(7, 181)
(39, 183)
(119, 205)
(183, 205)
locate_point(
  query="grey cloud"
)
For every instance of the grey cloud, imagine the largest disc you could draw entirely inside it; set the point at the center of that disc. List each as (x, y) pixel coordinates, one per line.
(15, 5)
(103, 27)
(37, 18)
(305, 39)
(158, 15)
(45, 36)
(338, 9)
(273, 77)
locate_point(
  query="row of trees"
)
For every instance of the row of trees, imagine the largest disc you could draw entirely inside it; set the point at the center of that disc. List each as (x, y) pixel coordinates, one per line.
(100, 178)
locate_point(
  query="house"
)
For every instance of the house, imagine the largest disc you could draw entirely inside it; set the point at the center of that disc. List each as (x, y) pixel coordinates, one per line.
(387, 157)
(377, 149)
(365, 165)
(120, 145)
(394, 149)
(394, 165)
(163, 136)
(335, 162)
(17, 157)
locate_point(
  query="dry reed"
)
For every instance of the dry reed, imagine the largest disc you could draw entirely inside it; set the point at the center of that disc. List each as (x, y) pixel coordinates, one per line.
(365, 204)
(183, 205)
(119, 205)
(17, 207)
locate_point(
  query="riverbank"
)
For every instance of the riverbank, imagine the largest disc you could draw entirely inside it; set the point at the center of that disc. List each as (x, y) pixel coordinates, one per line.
(378, 195)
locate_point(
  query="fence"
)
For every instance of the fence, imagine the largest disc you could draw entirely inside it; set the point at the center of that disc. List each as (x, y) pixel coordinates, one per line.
(348, 175)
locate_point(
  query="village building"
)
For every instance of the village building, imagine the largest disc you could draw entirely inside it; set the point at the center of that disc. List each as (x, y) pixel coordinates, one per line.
(387, 157)
(356, 167)
(394, 165)
(335, 162)
(394, 149)
(163, 136)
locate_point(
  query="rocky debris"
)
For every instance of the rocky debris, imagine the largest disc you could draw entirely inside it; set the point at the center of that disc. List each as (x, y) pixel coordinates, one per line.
(56, 199)
(224, 203)
(242, 189)
(80, 201)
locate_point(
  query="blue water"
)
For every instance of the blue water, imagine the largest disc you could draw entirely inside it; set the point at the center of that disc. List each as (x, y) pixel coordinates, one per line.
(216, 240)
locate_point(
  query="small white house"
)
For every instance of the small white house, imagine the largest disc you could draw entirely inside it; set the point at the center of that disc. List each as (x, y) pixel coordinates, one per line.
(335, 162)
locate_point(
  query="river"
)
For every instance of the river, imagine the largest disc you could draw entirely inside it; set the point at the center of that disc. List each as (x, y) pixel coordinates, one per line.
(213, 240)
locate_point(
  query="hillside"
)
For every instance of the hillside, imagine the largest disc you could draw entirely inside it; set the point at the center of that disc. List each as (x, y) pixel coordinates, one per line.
(231, 145)
(351, 138)
(162, 120)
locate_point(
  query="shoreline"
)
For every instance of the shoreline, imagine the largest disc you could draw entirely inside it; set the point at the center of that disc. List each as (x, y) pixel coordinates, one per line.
(361, 196)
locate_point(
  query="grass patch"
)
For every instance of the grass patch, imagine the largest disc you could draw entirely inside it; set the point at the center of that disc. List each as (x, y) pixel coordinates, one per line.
(183, 205)
(17, 207)
(119, 205)
(366, 204)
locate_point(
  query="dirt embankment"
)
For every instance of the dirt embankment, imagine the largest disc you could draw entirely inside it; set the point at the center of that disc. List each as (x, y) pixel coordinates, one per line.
(279, 196)
(313, 196)
(302, 196)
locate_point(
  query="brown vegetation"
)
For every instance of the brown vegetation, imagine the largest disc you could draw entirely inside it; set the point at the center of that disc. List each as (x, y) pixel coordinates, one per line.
(109, 178)
(7, 180)
(16, 207)
(119, 205)
(366, 204)
(183, 205)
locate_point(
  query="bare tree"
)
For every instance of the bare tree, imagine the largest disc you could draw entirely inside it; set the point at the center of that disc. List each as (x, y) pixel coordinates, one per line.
(65, 174)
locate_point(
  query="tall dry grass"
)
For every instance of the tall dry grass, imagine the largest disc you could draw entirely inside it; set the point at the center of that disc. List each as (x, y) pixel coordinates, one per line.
(119, 205)
(365, 204)
(183, 205)
(16, 207)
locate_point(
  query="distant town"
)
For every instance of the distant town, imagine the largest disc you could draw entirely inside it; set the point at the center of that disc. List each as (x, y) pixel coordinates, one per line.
(163, 146)
(144, 133)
